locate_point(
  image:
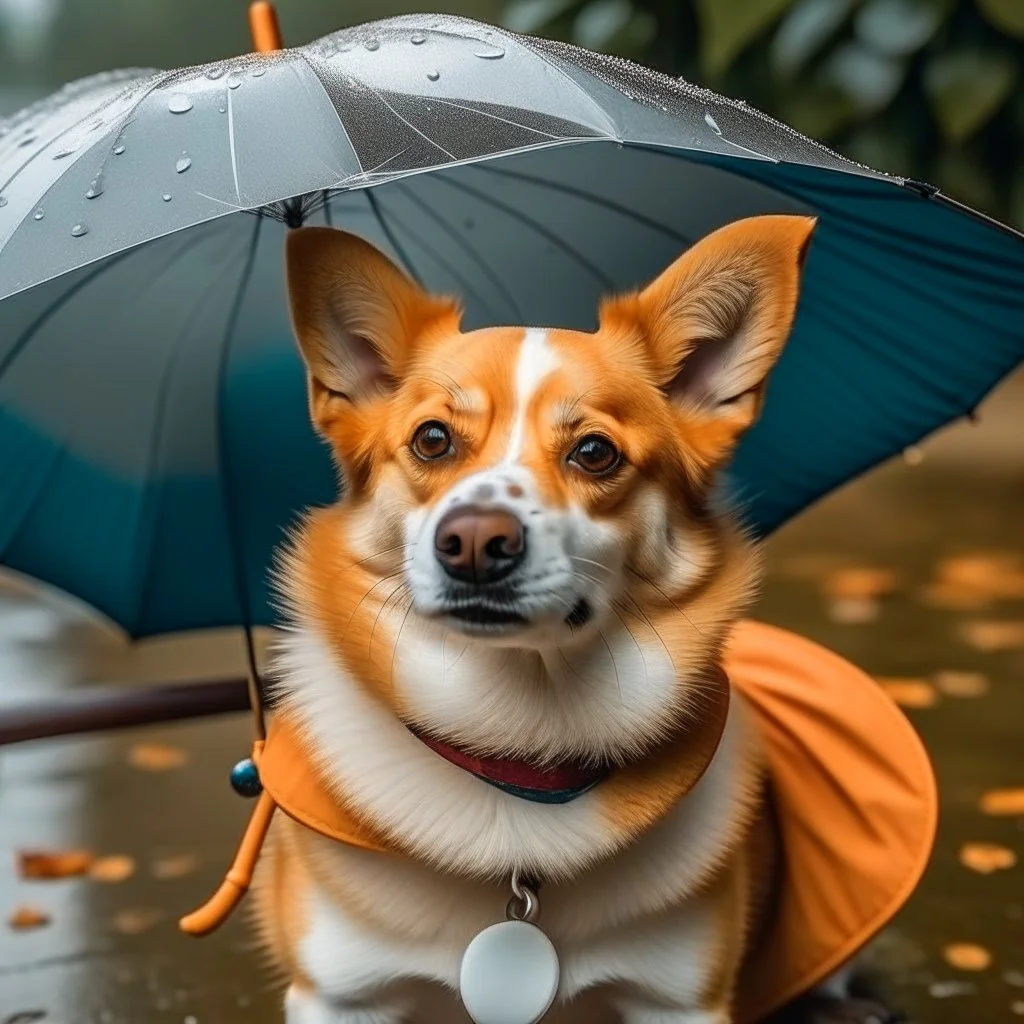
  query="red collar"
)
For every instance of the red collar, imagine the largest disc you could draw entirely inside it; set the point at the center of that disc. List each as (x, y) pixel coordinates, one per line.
(557, 784)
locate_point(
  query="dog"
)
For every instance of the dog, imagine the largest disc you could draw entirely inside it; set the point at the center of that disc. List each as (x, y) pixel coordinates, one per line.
(504, 643)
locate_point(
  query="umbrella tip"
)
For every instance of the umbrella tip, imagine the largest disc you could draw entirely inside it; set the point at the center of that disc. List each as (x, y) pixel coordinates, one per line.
(266, 33)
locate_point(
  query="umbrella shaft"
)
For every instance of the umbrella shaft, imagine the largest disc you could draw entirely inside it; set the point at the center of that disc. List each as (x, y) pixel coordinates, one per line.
(97, 708)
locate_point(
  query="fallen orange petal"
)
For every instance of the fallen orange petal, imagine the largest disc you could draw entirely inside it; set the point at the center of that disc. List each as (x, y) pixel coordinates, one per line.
(967, 957)
(1003, 803)
(993, 635)
(112, 869)
(862, 583)
(962, 684)
(137, 920)
(175, 867)
(910, 693)
(26, 918)
(156, 757)
(50, 864)
(987, 857)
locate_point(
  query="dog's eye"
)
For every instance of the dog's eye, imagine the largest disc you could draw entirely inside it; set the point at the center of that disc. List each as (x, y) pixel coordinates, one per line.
(431, 441)
(596, 455)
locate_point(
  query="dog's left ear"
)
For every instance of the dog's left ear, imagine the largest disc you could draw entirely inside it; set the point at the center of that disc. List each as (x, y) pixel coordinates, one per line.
(715, 322)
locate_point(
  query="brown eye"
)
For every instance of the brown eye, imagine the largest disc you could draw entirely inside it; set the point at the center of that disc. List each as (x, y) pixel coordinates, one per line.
(596, 455)
(431, 441)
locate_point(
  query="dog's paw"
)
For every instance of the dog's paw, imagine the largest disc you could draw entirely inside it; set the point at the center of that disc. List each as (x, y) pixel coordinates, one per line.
(828, 1010)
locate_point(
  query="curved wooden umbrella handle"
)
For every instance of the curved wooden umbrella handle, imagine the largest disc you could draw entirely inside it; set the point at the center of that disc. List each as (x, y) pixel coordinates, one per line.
(217, 909)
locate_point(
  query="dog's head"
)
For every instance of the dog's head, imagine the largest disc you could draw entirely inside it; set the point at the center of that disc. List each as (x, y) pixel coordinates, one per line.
(521, 481)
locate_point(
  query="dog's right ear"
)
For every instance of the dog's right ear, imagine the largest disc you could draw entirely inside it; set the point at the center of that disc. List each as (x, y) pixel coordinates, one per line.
(357, 319)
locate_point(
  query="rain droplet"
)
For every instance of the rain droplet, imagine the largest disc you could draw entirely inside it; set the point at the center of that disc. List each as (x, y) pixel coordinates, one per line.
(3, 201)
(27, 141)
(38, 215)
(62, 154)
(372, 44)
(494, 54)
(259, 72)
(166, 197)
(214, 73)
(712, 124)
(223, 110)
(234, 81)
(418, 38)
(119, 149)
(433, 75)
(183, 164)
(179, 103)
(95, 190)
(78, 230)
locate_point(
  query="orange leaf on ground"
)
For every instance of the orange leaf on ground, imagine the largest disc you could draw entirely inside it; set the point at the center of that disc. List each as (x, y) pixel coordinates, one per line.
(987, 857)
(112, 869)
(175, 867)
(50, 864)
(1003, 803)
(862, 583)
(156, 757)
(992, 635)
(910, 693)
(25, 918)
(962, 684)
(137, 920)
(965, 956)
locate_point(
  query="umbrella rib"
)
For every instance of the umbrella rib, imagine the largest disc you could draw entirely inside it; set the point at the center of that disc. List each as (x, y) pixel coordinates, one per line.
(463, 243)
(578, 193)
(464, 282)
(144, 580)
(227, 505)
(391, 237)
(536, 226)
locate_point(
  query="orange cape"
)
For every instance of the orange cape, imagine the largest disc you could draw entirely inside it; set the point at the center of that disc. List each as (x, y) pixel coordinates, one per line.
(854, 794)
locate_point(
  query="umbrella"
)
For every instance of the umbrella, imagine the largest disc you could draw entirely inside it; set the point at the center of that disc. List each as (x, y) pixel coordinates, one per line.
(153, 429)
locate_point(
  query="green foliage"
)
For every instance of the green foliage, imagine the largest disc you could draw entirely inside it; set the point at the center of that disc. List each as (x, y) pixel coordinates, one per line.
(930, 89)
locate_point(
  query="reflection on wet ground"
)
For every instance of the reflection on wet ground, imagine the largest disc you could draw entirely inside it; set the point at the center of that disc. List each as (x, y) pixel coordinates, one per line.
(914, 573)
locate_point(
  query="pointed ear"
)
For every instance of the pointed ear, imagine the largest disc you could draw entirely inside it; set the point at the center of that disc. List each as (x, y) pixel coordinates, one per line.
(715, 322)
(356, 316)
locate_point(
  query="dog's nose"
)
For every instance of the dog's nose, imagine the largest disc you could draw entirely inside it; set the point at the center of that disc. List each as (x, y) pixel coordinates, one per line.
(479, 546)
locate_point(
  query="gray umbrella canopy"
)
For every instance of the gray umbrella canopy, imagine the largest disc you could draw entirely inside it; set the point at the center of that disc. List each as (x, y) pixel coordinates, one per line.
(152, 417)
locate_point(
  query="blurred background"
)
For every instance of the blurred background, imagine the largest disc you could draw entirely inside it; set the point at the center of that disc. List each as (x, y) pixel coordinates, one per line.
(915, 572)
(923, 88)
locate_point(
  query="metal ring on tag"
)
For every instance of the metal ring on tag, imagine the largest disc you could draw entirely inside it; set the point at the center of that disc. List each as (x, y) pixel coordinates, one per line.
(524, 905)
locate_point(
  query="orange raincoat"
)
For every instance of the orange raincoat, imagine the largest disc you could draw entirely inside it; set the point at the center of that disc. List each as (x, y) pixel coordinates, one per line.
(855, 802)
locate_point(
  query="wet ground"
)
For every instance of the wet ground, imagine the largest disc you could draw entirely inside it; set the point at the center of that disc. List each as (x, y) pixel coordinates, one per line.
(878, 572)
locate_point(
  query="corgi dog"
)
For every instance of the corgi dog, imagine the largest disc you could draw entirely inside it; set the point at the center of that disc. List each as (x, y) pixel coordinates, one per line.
(504, 650)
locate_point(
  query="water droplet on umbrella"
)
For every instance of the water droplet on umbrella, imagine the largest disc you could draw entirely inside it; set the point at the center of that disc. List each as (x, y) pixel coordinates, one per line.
(494, 54)
(179, 103)
(712, 124)
(119, 149)
(166, 197)
(27, 141)
(183, 164)
(78, 230)
(62, 154)
(214, 73)
(223, 110)
(234, 81)
(259, 72)
(372, 44)
(3, 202)
(418, 38)
(433, 75)
(38, 215)
(95, 190)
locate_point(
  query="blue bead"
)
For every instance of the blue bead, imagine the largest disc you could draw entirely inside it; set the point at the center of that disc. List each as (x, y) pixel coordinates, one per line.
(245, 778)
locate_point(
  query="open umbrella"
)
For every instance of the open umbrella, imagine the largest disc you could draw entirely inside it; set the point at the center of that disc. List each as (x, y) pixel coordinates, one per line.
(153, 431)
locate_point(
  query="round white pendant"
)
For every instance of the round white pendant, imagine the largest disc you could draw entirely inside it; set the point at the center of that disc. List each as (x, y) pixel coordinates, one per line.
(509, 974)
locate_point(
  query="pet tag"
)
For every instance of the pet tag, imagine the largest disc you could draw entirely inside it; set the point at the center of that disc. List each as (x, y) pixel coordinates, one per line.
(509, 972)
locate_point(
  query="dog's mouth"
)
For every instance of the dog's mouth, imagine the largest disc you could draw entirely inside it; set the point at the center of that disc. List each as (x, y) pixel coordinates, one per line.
(481, 614)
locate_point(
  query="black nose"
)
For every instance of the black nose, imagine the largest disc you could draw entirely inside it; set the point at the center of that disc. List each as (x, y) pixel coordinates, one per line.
(478, 546)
